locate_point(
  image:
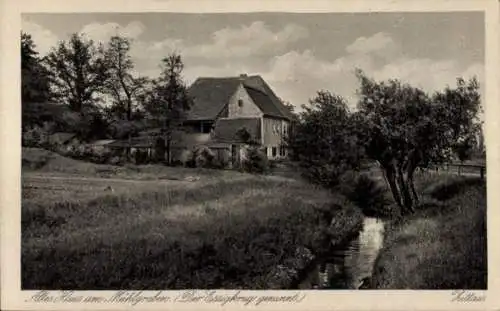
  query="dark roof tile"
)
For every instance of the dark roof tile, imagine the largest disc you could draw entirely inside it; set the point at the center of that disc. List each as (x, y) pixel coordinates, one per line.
(264, 103)
(226, 130)
(211, 95)
(258, 83)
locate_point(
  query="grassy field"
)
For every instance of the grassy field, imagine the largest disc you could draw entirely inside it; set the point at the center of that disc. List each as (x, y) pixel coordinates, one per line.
(442, 246)
(40, 161)
(153, 227)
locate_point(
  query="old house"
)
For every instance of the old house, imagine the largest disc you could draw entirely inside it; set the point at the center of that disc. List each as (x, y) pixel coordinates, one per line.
(222, 107)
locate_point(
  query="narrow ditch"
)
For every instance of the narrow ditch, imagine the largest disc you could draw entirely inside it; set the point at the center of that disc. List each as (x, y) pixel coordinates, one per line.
(347, 265)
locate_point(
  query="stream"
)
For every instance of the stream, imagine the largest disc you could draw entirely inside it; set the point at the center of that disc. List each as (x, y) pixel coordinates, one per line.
(348, 265)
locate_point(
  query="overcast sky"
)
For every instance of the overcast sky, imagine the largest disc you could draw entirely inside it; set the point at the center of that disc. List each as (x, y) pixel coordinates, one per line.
(297, 54)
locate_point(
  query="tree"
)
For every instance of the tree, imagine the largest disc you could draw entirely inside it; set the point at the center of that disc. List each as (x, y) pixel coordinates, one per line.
(35, 81)
(78, 72)
(35, 88)
(122, 86)
(167, 101)
(324, 141)
(404, 128)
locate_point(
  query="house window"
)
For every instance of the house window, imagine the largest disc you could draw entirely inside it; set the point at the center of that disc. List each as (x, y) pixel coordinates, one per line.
(240, 102)
(274, 152)
(205, 128)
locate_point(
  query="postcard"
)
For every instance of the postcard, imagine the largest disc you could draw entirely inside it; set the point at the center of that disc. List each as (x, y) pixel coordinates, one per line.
(275, 155)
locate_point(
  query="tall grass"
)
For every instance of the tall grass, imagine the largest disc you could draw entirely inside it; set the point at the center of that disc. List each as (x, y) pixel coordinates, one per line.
(442, 246)
(224, 235)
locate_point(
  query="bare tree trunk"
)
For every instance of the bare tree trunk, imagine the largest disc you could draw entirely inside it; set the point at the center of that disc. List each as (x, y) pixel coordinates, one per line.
(168, 141)
(391, 181)
(412, 185)
(401, 185)
(404, 187)
(127, 149)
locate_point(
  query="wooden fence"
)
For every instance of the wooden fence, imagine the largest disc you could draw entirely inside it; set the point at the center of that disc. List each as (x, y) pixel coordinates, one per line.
(465, 169)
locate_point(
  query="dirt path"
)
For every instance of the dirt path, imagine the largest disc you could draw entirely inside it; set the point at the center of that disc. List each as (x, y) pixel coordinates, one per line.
(190, 180)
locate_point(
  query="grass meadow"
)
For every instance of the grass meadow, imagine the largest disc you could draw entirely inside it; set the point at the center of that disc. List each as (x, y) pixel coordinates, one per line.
(223, 230)
(88, 226)
(442, 246)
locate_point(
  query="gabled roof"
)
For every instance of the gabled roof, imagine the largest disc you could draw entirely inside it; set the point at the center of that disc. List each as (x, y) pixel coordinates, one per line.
(264, 103)
(257, 83)
(226, 130)
(211, 95)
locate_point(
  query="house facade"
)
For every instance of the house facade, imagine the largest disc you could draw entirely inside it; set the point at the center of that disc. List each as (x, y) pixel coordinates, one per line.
(223, 107)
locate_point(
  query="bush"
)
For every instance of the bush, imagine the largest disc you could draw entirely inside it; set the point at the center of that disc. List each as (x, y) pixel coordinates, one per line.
(203, 157)
(370, 197)
(325, 174)
(185, 157)
(327, 141)
(98, 155)
(141, 157)
(256, 161)
(37, 136)
(116, 160)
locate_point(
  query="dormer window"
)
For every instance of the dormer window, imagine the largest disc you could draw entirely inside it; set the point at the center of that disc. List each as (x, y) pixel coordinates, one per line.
(240, 102)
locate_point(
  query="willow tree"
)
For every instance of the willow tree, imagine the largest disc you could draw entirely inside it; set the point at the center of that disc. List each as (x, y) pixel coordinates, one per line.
(405, 128)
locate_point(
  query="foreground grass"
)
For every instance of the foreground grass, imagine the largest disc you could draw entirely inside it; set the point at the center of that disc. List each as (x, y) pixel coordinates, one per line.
(442, 246)
(256, 232)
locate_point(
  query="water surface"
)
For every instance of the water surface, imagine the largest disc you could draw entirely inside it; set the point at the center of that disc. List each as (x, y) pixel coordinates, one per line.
(346, 266)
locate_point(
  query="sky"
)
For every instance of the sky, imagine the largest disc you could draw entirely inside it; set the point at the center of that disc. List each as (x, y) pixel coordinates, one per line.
(296, 53)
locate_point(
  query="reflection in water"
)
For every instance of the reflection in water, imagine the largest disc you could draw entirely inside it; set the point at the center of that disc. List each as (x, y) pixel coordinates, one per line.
(348, 266)
(362, 252)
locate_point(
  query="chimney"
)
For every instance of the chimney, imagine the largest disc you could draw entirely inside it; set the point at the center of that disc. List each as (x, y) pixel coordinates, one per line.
(243, 76)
